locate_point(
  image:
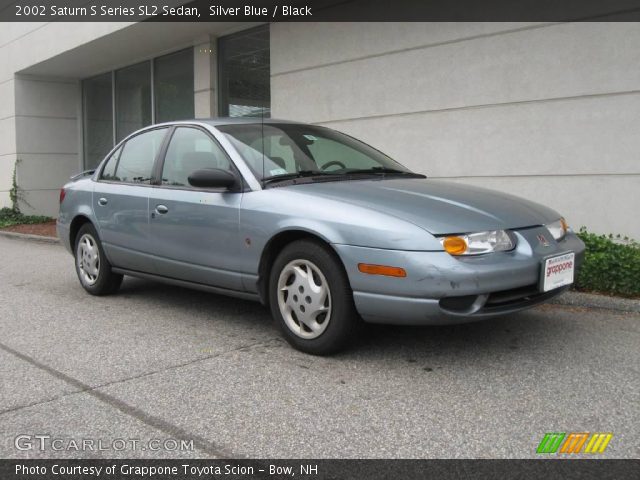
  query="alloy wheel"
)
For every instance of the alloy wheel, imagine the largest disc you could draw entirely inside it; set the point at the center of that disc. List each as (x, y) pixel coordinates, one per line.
(88, 259)
(304, 299)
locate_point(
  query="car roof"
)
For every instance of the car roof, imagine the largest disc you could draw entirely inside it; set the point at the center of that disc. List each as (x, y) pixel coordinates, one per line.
(218, 121)
(242, 120)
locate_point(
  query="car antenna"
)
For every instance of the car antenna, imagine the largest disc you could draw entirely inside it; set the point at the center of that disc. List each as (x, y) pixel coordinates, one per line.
(262, 135)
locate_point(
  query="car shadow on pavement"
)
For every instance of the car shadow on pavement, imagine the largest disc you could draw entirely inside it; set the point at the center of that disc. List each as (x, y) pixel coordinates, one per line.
(534, 338)
(504, 335)
(174, 297)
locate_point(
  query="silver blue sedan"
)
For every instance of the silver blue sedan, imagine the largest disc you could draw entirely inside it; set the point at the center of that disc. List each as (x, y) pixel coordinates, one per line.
(324, 229)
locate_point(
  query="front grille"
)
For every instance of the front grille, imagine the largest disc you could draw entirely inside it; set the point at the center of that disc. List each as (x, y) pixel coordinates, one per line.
(498, 302)
(514, 295)
(516, 298)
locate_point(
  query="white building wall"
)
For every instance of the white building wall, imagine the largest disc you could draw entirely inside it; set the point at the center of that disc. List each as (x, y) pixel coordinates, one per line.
(550, 112)
(205, 78)
(39, 123)
(47, 140)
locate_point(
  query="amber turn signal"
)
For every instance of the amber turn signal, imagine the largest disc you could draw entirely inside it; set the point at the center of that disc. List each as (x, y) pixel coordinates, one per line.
(454, 245)
(382, 270)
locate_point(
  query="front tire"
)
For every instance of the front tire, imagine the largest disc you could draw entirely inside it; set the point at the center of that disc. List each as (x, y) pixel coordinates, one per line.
(93, 268)
(311, 299)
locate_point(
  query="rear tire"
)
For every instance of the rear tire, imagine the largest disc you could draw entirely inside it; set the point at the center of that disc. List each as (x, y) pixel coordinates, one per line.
(92, 267)
(311, 299)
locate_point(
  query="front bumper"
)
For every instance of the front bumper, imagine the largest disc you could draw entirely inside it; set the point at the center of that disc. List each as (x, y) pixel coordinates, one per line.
(442, 289)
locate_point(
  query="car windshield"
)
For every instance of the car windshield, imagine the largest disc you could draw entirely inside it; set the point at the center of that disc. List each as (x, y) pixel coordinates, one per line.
(283, 151)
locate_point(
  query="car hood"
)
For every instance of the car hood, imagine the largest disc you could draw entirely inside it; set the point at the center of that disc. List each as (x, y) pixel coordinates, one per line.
(437, 206)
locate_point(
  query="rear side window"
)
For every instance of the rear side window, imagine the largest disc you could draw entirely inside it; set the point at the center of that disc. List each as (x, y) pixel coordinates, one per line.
(109, 170)
(138, 154)
(191, 149)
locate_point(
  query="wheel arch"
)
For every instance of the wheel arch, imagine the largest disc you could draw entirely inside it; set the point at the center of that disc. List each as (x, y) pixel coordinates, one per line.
(75, 226)
(275, 245)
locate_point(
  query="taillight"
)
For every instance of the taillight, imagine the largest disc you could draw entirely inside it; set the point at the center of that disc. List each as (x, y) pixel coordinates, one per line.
(63, 193)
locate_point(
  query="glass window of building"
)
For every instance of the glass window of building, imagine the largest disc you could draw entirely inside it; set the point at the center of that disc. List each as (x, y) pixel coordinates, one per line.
(97, 119)
(173, 86)
(133, 99)
(244, 73)
(106, 120)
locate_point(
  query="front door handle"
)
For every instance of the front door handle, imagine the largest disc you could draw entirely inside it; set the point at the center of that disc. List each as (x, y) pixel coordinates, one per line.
(161, 209)
(102, 201)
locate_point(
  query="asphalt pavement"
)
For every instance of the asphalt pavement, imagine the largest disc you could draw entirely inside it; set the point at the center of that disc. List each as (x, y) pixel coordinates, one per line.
(157, 365)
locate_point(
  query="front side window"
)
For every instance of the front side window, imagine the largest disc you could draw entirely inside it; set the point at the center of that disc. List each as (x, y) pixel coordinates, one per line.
(191, 149)
(138, 155)
(273, 150)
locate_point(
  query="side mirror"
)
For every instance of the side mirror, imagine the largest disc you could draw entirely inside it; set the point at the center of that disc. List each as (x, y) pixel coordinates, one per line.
(212, 178)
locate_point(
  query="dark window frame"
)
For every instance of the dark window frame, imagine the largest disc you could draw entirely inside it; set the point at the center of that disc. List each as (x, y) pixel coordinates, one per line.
(223, 94)
(118, 94)
(112, 74)
(83, 121)
(155, 100)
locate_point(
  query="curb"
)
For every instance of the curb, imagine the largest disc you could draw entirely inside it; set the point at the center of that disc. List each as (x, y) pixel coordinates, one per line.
(591, 300)
(30, 237)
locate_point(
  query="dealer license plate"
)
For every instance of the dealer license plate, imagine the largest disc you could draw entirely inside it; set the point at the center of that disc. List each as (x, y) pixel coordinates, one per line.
(558, 271)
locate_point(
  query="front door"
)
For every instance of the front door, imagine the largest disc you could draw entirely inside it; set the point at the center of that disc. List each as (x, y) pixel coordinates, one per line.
(195, 232)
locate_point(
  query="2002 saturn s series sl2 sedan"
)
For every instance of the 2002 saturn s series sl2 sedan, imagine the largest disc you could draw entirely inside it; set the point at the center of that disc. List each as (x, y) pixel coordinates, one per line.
(321, 227)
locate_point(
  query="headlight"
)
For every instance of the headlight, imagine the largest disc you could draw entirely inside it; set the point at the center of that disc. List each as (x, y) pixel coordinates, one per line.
(558, 229)
(478, 243)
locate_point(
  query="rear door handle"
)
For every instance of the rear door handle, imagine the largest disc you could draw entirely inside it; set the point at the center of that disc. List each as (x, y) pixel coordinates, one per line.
(161, 209)
(102, 201)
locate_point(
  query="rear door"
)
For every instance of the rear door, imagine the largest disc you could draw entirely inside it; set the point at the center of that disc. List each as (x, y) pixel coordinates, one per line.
(121, 201)
(195, 232)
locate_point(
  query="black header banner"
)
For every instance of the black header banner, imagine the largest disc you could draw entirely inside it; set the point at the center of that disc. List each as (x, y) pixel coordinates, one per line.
(318, 10)
(317, 469)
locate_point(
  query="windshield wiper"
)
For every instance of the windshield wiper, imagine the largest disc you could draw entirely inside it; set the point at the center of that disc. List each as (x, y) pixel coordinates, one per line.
(344, 174)
(290, 176)
(383, 171)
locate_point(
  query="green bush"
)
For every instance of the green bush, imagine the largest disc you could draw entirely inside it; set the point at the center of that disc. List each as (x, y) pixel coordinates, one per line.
(611, 265)
(9, 217)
